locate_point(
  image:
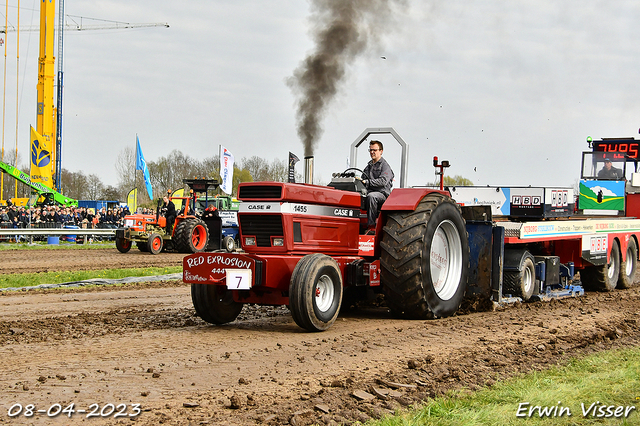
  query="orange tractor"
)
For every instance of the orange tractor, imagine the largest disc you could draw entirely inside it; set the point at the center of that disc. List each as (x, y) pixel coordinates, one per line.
(189, 233)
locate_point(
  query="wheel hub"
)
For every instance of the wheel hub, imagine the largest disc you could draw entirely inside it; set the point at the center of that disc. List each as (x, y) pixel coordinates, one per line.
(324, 293)
(446, 260)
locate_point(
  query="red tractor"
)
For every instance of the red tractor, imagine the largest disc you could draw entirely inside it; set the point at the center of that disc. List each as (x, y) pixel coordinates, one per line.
(305, 247)
(189, 234)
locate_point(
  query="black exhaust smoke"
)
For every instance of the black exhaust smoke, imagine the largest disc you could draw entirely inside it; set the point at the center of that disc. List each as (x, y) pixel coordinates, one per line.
(342, 30)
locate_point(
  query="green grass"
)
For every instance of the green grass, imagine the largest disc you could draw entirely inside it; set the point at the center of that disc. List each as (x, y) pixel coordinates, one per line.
(40, 245)
(33, 279)
(607, 378)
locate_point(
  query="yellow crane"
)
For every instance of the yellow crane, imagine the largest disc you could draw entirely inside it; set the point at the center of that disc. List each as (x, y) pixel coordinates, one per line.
(46, 142)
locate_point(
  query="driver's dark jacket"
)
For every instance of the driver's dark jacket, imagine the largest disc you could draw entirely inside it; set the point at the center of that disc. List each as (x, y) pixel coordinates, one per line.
(379, 176)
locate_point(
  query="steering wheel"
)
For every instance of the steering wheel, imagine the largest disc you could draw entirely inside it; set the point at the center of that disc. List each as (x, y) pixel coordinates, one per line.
(364, 175)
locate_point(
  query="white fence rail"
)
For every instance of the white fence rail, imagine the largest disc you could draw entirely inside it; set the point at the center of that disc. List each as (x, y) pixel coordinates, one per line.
(57, 231)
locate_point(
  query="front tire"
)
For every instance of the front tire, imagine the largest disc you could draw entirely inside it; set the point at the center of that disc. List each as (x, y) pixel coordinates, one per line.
(603, 277)
(315, 292)
(629, 266)
(214, 303)
(155, 243)
(123, 245)
(425, 259)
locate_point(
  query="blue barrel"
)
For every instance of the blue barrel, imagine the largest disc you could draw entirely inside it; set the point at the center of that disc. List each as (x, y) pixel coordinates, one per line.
(71, 238)
(53, 240)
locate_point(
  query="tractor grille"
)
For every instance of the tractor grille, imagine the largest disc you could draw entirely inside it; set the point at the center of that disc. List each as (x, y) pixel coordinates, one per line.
(263, 226)
(260, 191)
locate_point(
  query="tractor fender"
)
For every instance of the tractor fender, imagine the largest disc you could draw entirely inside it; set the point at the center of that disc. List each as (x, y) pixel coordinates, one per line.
(408, 198)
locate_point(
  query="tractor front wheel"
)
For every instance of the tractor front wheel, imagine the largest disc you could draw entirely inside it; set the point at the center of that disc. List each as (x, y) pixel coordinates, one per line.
(315, 292)
(123, 245)
(155, 243)
(214, 303)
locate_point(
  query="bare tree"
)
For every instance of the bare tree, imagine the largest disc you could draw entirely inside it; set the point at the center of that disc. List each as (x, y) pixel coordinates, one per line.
(13, 158)
(126, 169)
(258, 168)
(94, 187)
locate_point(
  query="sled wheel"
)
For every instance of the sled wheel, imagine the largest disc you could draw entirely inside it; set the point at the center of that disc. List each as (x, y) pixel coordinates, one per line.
(425, 259)
(155, 243)
(192, 236)
(603, 277)
(229, 244)
(123, 245)
(629, 266)
(315, 292)
(214, 303)
(522, 283)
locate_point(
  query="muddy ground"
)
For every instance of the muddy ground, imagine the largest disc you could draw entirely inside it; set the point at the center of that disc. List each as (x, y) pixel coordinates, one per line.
(142, 344)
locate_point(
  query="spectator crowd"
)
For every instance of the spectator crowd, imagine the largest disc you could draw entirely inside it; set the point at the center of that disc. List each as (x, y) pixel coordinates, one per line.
(57, 217)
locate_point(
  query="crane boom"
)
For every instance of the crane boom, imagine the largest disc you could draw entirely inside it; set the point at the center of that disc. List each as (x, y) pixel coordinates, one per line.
(36, 187)
(84, 27)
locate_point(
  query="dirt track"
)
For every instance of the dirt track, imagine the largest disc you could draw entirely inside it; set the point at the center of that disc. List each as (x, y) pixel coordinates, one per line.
(143, 344)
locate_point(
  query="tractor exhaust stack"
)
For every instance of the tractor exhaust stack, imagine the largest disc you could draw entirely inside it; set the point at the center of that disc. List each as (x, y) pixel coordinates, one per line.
(308, 169)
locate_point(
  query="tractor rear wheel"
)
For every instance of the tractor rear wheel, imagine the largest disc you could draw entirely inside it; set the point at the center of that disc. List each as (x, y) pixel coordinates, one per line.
(214, 303)
(155, 243)
(603, 277)
(191, 236)
(123, 245)
(315, 292)
(629, 266)
(425, 259)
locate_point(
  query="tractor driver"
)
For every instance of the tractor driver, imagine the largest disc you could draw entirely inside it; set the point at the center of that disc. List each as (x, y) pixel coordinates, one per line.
(378, 179)
(609, 172)
(210, 212)
(169, 212)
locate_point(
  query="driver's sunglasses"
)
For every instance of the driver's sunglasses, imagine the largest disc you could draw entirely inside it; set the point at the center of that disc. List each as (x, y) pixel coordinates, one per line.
(373, 150)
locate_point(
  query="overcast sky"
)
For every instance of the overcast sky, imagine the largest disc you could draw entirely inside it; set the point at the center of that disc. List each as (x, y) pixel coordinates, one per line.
(506, 91)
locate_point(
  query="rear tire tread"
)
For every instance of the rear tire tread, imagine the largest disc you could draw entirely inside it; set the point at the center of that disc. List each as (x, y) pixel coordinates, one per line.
(404, 254)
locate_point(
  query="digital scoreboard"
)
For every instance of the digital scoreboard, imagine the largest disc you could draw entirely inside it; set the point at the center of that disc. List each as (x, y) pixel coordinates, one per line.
(618, 149)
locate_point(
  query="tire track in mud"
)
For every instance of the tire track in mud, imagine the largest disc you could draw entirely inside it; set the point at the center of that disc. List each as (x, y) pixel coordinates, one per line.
(143, 343)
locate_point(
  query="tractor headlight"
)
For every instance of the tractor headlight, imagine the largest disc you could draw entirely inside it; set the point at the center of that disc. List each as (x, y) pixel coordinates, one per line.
(278, 242)
(250, 241)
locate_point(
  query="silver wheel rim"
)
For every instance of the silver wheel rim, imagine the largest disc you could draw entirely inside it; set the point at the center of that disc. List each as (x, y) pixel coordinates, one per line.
(324, 293)
(446, 260)
(527, 278)
(611, 272)
(630, 261)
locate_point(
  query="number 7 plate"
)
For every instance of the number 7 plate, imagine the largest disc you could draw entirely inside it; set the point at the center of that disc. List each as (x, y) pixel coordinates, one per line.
(238, 279)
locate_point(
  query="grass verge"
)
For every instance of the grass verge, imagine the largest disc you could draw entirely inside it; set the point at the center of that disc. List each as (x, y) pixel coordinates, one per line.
(584, 392)
(33, 279)
(42, 245)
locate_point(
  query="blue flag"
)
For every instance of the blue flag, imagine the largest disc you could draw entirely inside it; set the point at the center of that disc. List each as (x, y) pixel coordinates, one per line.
(142, 165)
